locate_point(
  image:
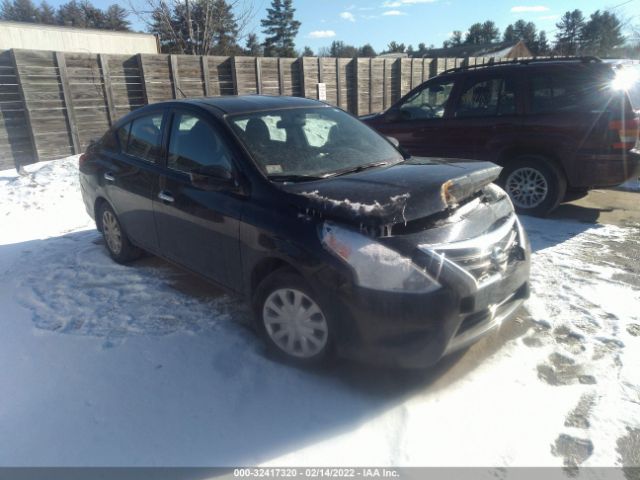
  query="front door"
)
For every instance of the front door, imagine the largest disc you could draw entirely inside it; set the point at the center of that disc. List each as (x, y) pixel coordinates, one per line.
(198, 228)
(419, 122)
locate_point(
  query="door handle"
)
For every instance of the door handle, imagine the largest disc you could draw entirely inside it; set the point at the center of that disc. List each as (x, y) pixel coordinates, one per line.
(108, 176)
(166, 197)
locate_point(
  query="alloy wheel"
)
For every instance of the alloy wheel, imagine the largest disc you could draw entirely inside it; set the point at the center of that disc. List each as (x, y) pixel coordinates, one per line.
(111, 231)
(295, 323)
(527, 187)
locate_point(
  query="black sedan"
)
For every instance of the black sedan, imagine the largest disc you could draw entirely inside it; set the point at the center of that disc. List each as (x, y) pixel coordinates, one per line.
(341, 243)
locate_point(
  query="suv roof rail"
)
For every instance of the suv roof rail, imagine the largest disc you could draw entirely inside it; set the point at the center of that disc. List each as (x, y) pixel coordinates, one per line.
(524, 61)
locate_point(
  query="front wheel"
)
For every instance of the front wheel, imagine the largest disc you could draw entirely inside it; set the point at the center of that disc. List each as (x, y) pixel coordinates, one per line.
(535, 185)
(292, 320)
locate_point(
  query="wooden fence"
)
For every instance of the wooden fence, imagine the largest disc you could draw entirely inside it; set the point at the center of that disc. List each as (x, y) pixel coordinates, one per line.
(52, 103)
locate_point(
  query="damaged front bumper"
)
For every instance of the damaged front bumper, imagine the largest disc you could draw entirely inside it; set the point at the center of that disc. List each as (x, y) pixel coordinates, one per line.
(483, 283)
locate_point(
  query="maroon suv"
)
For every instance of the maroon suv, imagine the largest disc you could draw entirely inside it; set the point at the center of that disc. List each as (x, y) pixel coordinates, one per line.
(558, 127)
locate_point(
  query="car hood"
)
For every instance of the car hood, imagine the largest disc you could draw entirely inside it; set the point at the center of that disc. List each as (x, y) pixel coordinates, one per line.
(415, 188)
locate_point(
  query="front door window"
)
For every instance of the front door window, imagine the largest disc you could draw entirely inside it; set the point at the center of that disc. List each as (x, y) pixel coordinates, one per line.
(430, 102)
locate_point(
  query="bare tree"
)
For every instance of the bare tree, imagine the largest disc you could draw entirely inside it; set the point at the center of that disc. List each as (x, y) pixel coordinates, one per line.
(196, 27)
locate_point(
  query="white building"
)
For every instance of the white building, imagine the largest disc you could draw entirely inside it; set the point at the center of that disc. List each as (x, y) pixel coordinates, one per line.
(36, 36)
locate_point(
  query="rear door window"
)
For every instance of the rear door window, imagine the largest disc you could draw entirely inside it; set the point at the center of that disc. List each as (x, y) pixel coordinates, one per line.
(487, 98)
(144, 138)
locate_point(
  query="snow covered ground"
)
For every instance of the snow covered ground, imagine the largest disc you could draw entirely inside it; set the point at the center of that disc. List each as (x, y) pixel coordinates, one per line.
(104, 364)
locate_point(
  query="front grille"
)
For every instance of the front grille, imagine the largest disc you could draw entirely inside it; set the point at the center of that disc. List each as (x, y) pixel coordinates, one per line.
(486, 255)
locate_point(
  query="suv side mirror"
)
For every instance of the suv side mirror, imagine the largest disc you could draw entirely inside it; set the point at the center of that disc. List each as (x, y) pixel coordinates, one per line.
(393, 115)
(394, 141)
(213, 178)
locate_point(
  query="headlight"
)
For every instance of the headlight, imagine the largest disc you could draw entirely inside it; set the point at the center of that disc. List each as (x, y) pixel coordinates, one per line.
(375, 266)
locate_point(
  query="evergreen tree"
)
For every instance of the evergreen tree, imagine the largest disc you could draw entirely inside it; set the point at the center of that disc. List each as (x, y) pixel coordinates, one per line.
(18, 11)
(71, 14)
(115, 18)
(225, 29)
(307, 52)
(601, 34)
(542, 44)
(46, 14)
(395, 47)
(253, 47)
(339, 49)
(366, 51)
(280, 29)
(521, 30)
(93, 17)
(569, 32)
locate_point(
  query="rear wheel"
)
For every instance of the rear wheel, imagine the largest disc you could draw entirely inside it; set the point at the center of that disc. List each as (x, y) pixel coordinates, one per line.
(292, 319)
(115, 238)
(575, 194)
(535, 184)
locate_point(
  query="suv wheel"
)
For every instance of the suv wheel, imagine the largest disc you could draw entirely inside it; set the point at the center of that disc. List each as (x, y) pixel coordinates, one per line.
(292, 320)
(536, 185)
(115, 238)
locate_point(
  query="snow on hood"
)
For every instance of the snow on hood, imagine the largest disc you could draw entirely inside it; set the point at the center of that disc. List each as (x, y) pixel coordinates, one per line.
(403, 192)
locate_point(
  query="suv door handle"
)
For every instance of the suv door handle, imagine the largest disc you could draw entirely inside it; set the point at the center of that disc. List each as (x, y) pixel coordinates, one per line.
(108, 176)
(166, 197)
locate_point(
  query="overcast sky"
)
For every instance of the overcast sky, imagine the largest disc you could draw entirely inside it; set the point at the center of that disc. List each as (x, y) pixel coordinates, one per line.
(378, 22)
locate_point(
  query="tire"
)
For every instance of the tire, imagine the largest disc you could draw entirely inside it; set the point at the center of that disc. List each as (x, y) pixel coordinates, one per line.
(535, 184)
(304, 339)
(115, 238)
(577, 194)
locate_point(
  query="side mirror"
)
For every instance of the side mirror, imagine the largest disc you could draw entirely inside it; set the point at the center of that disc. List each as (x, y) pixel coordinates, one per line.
(394, 141)
(393, 115)
(213, 178)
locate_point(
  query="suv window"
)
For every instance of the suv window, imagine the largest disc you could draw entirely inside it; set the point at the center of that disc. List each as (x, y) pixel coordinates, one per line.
(144, 138)
(195, 144)
(430, 102)
(566, 93)
(488, 97)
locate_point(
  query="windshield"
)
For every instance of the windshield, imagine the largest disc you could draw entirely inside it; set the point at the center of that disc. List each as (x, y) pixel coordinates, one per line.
(310, 142)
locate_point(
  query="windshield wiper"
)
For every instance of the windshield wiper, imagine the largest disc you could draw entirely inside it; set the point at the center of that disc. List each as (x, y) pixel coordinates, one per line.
(356, 169)
(293, 178)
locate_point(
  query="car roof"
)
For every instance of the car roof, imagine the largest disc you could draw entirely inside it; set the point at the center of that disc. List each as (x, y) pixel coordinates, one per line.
(235, 104)
(551, 64)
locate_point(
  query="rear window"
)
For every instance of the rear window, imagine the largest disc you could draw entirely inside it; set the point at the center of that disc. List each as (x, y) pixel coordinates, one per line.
(569, 93)
(144, 138)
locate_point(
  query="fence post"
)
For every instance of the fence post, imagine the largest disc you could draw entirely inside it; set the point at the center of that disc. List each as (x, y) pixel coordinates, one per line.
(234, 77)
(204, 65)
(27, 114)
(370, 84)
(175, 76)
(320, 71)
(68, 101)
(356, 92)
(103, 62)
(280, 76)
(338, 83)
(258, 76)
(302, 80)
(143, 82)
(385, 97)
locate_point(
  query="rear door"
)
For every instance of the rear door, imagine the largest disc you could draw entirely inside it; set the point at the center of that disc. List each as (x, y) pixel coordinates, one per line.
(419, 121)
(198, 228)
(486, 116)
(131, 174)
